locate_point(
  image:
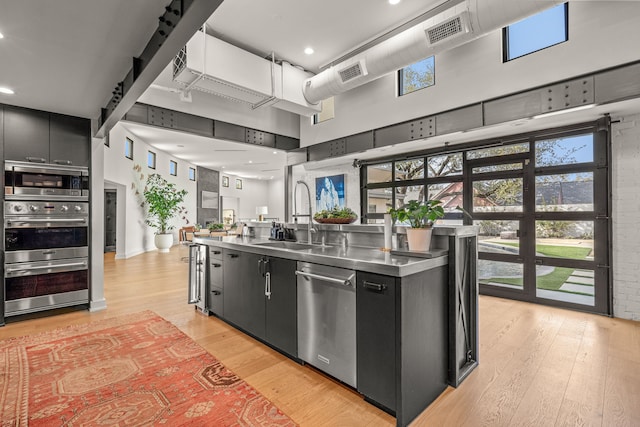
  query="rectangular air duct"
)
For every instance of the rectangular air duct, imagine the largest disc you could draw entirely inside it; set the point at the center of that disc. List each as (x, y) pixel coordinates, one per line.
(213, 66)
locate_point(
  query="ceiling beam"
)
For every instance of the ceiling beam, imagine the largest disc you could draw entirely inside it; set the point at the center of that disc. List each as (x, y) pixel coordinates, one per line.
(182, 18)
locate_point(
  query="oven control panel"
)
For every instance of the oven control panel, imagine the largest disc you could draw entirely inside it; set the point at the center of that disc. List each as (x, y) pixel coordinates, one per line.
(46, 208)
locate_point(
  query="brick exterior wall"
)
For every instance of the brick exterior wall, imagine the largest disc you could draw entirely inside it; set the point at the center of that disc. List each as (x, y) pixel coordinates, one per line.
(626, 217)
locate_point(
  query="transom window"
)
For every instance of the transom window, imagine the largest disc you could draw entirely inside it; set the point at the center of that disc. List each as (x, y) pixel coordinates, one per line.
(173, 168)
(128, 148)
(151, 160)
(417, 76)
(192, 174)
(540, 31)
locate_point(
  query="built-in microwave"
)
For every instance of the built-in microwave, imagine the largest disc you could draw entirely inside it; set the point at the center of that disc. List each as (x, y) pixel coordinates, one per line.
(30, 181)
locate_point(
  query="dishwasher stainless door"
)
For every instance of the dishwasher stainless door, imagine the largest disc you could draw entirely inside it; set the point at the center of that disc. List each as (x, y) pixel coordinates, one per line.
(327, 319)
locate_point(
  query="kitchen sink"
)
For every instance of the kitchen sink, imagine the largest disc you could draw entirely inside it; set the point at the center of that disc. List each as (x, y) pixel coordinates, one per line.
(287, 245)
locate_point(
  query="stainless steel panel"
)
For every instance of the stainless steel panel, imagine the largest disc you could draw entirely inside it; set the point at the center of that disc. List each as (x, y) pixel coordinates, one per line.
(327, 320)
(33, 304)
(58, 209)
(27, 222)
(45, 168)
(513, 107)
(45, 267)
(616, 85)
(45, 254)
(197, 275)
(459, 120)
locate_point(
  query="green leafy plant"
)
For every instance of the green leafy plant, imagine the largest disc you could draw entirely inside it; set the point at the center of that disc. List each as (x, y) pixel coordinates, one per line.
(163, 202)
(419, 214)
(214, 226)
(336, 212)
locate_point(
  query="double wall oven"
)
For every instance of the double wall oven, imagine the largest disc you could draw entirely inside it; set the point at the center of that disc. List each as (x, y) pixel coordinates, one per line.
(46, 237)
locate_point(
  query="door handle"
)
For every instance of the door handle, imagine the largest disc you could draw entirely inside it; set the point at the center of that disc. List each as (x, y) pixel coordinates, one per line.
(374, 286)
(216, 265)
(216, 292)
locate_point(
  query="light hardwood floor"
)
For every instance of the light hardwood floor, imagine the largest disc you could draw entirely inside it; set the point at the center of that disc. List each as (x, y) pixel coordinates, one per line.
(539, 366)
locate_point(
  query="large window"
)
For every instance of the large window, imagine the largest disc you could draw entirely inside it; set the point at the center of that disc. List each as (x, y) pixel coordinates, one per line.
(537, 32)
(540, 203)
(417, 76)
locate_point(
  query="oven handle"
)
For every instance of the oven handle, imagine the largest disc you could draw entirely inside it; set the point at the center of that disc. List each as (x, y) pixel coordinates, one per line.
(46, 267)
(45, 220)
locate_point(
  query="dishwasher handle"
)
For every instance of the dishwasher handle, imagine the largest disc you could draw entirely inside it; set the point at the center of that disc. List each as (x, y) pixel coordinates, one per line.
(345, 282)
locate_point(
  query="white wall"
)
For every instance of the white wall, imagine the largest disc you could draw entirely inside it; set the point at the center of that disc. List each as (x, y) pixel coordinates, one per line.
(626, 205)
(601, 34)
(276, 196)
(134, 236)
(254, 193)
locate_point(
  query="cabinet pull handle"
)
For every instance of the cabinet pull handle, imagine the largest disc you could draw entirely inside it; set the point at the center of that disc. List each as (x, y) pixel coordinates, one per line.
(216, 292)
(374, 286)
(267, 285)
(63, 162)
(216, 252)
(36, 159)
(216, 265)
(233, 255)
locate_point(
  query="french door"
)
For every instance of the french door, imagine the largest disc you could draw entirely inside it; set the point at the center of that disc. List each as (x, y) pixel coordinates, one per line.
(542, 207)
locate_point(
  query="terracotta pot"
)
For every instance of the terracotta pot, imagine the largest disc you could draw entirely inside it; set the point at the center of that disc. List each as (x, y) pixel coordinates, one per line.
(419, 239)
(163, 242)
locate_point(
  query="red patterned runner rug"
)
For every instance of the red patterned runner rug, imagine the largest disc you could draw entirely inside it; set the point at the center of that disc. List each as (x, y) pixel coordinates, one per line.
(133, 370)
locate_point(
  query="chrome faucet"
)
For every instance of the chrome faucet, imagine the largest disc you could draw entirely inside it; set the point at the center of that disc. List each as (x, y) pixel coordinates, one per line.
(296, 215)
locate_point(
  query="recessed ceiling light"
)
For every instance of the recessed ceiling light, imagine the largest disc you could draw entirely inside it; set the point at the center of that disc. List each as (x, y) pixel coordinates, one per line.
(394, 1)
(1, 36)
(275, 152)
(308, 50)
(6, 90)
(250, 161)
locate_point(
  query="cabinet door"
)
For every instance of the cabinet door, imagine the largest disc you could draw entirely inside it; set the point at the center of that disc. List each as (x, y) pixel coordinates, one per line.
(70, 140)
(281, 313)
(243, 296)
(26, 134)
(376, 337)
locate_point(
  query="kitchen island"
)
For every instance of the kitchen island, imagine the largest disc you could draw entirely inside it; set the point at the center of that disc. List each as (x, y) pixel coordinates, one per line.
(399, 312)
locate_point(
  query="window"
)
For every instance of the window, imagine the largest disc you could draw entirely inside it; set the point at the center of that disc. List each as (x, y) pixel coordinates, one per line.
(537, 32)
(417, 76)
(192, 174)
(327, 111)
(173, 168)
(128, 149)
(151, 160)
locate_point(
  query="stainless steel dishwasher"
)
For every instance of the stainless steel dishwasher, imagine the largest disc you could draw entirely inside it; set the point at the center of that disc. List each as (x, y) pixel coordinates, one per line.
(327, 319)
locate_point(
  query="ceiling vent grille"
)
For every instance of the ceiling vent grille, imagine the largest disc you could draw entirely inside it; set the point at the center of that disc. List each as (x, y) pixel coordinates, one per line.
(353, 71)
(449, 29)
(180, 61)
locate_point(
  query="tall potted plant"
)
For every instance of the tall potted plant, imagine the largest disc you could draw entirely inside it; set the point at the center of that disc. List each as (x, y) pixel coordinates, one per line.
(163, 201)
(421, 216)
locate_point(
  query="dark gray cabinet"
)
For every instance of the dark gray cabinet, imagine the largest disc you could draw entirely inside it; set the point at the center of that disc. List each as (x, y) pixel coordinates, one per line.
(26, 134)
(376, 338)
(281, 311)
(243, 296)
(248, 304)
(402, 340)
(69, 140)
(32, 135)
(215, 298)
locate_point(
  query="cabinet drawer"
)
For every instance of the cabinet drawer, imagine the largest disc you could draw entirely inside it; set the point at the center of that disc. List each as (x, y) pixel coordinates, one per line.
(215, 253)
(215, 301)
(215, 272)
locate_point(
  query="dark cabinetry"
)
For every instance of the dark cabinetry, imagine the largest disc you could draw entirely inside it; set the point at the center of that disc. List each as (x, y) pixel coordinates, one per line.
(31, 135)
(402, 340)
(215, 298)
(376, 335)
(259, 296)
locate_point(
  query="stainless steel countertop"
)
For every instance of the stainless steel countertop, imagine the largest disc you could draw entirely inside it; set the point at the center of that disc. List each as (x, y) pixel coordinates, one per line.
(353, 257)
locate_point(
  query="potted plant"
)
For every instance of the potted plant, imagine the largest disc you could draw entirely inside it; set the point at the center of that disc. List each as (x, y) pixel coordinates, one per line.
(420, 216)
(163, 201)
(336, 215)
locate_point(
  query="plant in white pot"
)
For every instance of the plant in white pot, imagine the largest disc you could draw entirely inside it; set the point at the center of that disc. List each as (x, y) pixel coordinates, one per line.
(420, 216)
(163, 201)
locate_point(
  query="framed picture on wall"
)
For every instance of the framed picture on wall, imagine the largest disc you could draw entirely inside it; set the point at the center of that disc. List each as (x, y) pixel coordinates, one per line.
(238, 184)
(225, 181)
(329, 192)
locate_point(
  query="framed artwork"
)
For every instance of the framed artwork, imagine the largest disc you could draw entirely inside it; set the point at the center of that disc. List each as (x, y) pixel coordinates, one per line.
(225, 181)
(209, 200)
(329, 192)
(238, 184)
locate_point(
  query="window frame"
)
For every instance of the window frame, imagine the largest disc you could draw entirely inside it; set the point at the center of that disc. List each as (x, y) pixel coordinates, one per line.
(154, 160)
(173, 164)
(128, 143)
(505, 37)
(192, 172)
(400, 78)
